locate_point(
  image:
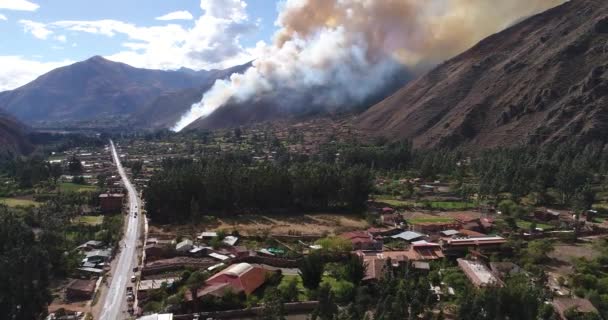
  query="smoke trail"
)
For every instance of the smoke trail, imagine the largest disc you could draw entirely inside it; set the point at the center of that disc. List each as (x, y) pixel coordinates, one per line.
(351, 48)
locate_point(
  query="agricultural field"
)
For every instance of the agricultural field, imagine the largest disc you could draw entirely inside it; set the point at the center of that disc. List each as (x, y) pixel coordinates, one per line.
(18, 202)
(309, 224)
(89, 220)
(72, 187)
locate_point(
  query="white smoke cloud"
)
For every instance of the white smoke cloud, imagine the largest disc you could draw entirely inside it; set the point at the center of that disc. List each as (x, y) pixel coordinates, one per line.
(346, 50)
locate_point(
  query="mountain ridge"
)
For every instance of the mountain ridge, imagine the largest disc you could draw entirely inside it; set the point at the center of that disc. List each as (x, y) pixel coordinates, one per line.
(539, 81)
(96, 88)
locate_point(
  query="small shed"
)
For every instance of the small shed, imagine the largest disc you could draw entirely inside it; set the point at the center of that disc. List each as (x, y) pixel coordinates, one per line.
(184, 246)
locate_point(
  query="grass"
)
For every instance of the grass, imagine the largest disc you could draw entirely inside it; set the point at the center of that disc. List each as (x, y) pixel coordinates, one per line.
(301, 290)
(14, 202)
(447, 205)
(396, 203)
(523, 224)
(89, 220)
(72, 187)
(452, 205)
(431, 220)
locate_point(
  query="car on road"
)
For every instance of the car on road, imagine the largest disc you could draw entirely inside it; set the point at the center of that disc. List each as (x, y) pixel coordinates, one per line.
(133, 278)
(135, 268)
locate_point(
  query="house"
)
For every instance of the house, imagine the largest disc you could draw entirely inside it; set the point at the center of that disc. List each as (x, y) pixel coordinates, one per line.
(546, 214)
(421, 266)
(363, 240)
(111, 202)
(97, 256)
(207, 235)
(375, 268)
(90, 245)
(230, 240)
(449, 233)
(564, 305)
(434, 227)
(391, 219)
(79, 290)
(409, 236)
(463, 245)
(479, 275)
(424, 251)
(184, 246)
(241, 277)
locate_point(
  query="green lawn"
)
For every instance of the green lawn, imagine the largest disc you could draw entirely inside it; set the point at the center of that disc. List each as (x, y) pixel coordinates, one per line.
(396, 203)
(89, 220)
(430, 220)
(13, 202)
(72, 187)
(523, 224)
(452, 205)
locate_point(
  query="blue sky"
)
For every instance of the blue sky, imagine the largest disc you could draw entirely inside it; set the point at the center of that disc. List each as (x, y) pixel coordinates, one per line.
(39, 35)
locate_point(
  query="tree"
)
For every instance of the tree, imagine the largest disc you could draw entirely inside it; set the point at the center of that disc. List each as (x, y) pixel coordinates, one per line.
(311, 271)
(289, 292)
(355, 269)
(327, 308)
(24, 270)
(74, 166)
(273, 306)
(195, 281)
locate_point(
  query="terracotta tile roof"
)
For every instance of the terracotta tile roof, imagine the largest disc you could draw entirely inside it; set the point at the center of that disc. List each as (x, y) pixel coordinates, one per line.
(562, 304)
(240, 277)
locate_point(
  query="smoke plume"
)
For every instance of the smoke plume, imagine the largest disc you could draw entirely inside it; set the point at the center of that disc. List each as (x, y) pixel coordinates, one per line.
(347, 50)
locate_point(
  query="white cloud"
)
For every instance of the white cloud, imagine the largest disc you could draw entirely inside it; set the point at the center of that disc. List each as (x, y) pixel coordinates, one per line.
(17, 70)
(20, 5)
(37, 29)
(176, 15)
(3, 17)
(213, 41)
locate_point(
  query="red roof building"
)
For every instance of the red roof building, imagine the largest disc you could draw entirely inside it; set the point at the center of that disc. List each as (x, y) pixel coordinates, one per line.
(241, 277)
(363, 240)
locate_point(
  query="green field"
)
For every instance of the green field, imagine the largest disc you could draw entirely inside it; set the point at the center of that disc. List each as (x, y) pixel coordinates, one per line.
(396, 203)
(447, 205)
(13, 202)
(523, 224)
(89, 220)
(72, 187)
(452, 205)
(430, 220)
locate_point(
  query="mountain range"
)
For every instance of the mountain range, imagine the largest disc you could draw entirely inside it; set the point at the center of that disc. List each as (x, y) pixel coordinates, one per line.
(542, 80)
(97, 88)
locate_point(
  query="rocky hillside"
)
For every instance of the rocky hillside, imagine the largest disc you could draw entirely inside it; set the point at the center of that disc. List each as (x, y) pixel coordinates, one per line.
(542, 80)
(95, 89)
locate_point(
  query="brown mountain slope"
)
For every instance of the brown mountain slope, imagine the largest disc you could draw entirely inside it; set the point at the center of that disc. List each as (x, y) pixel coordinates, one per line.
(13, 135)
(168, 108)
(544, 79)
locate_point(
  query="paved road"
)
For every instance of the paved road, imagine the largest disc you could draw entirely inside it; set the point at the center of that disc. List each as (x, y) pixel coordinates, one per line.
(116, 296)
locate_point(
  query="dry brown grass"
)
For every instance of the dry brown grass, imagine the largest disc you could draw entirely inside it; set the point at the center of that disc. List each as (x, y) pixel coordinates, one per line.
(309, 224)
